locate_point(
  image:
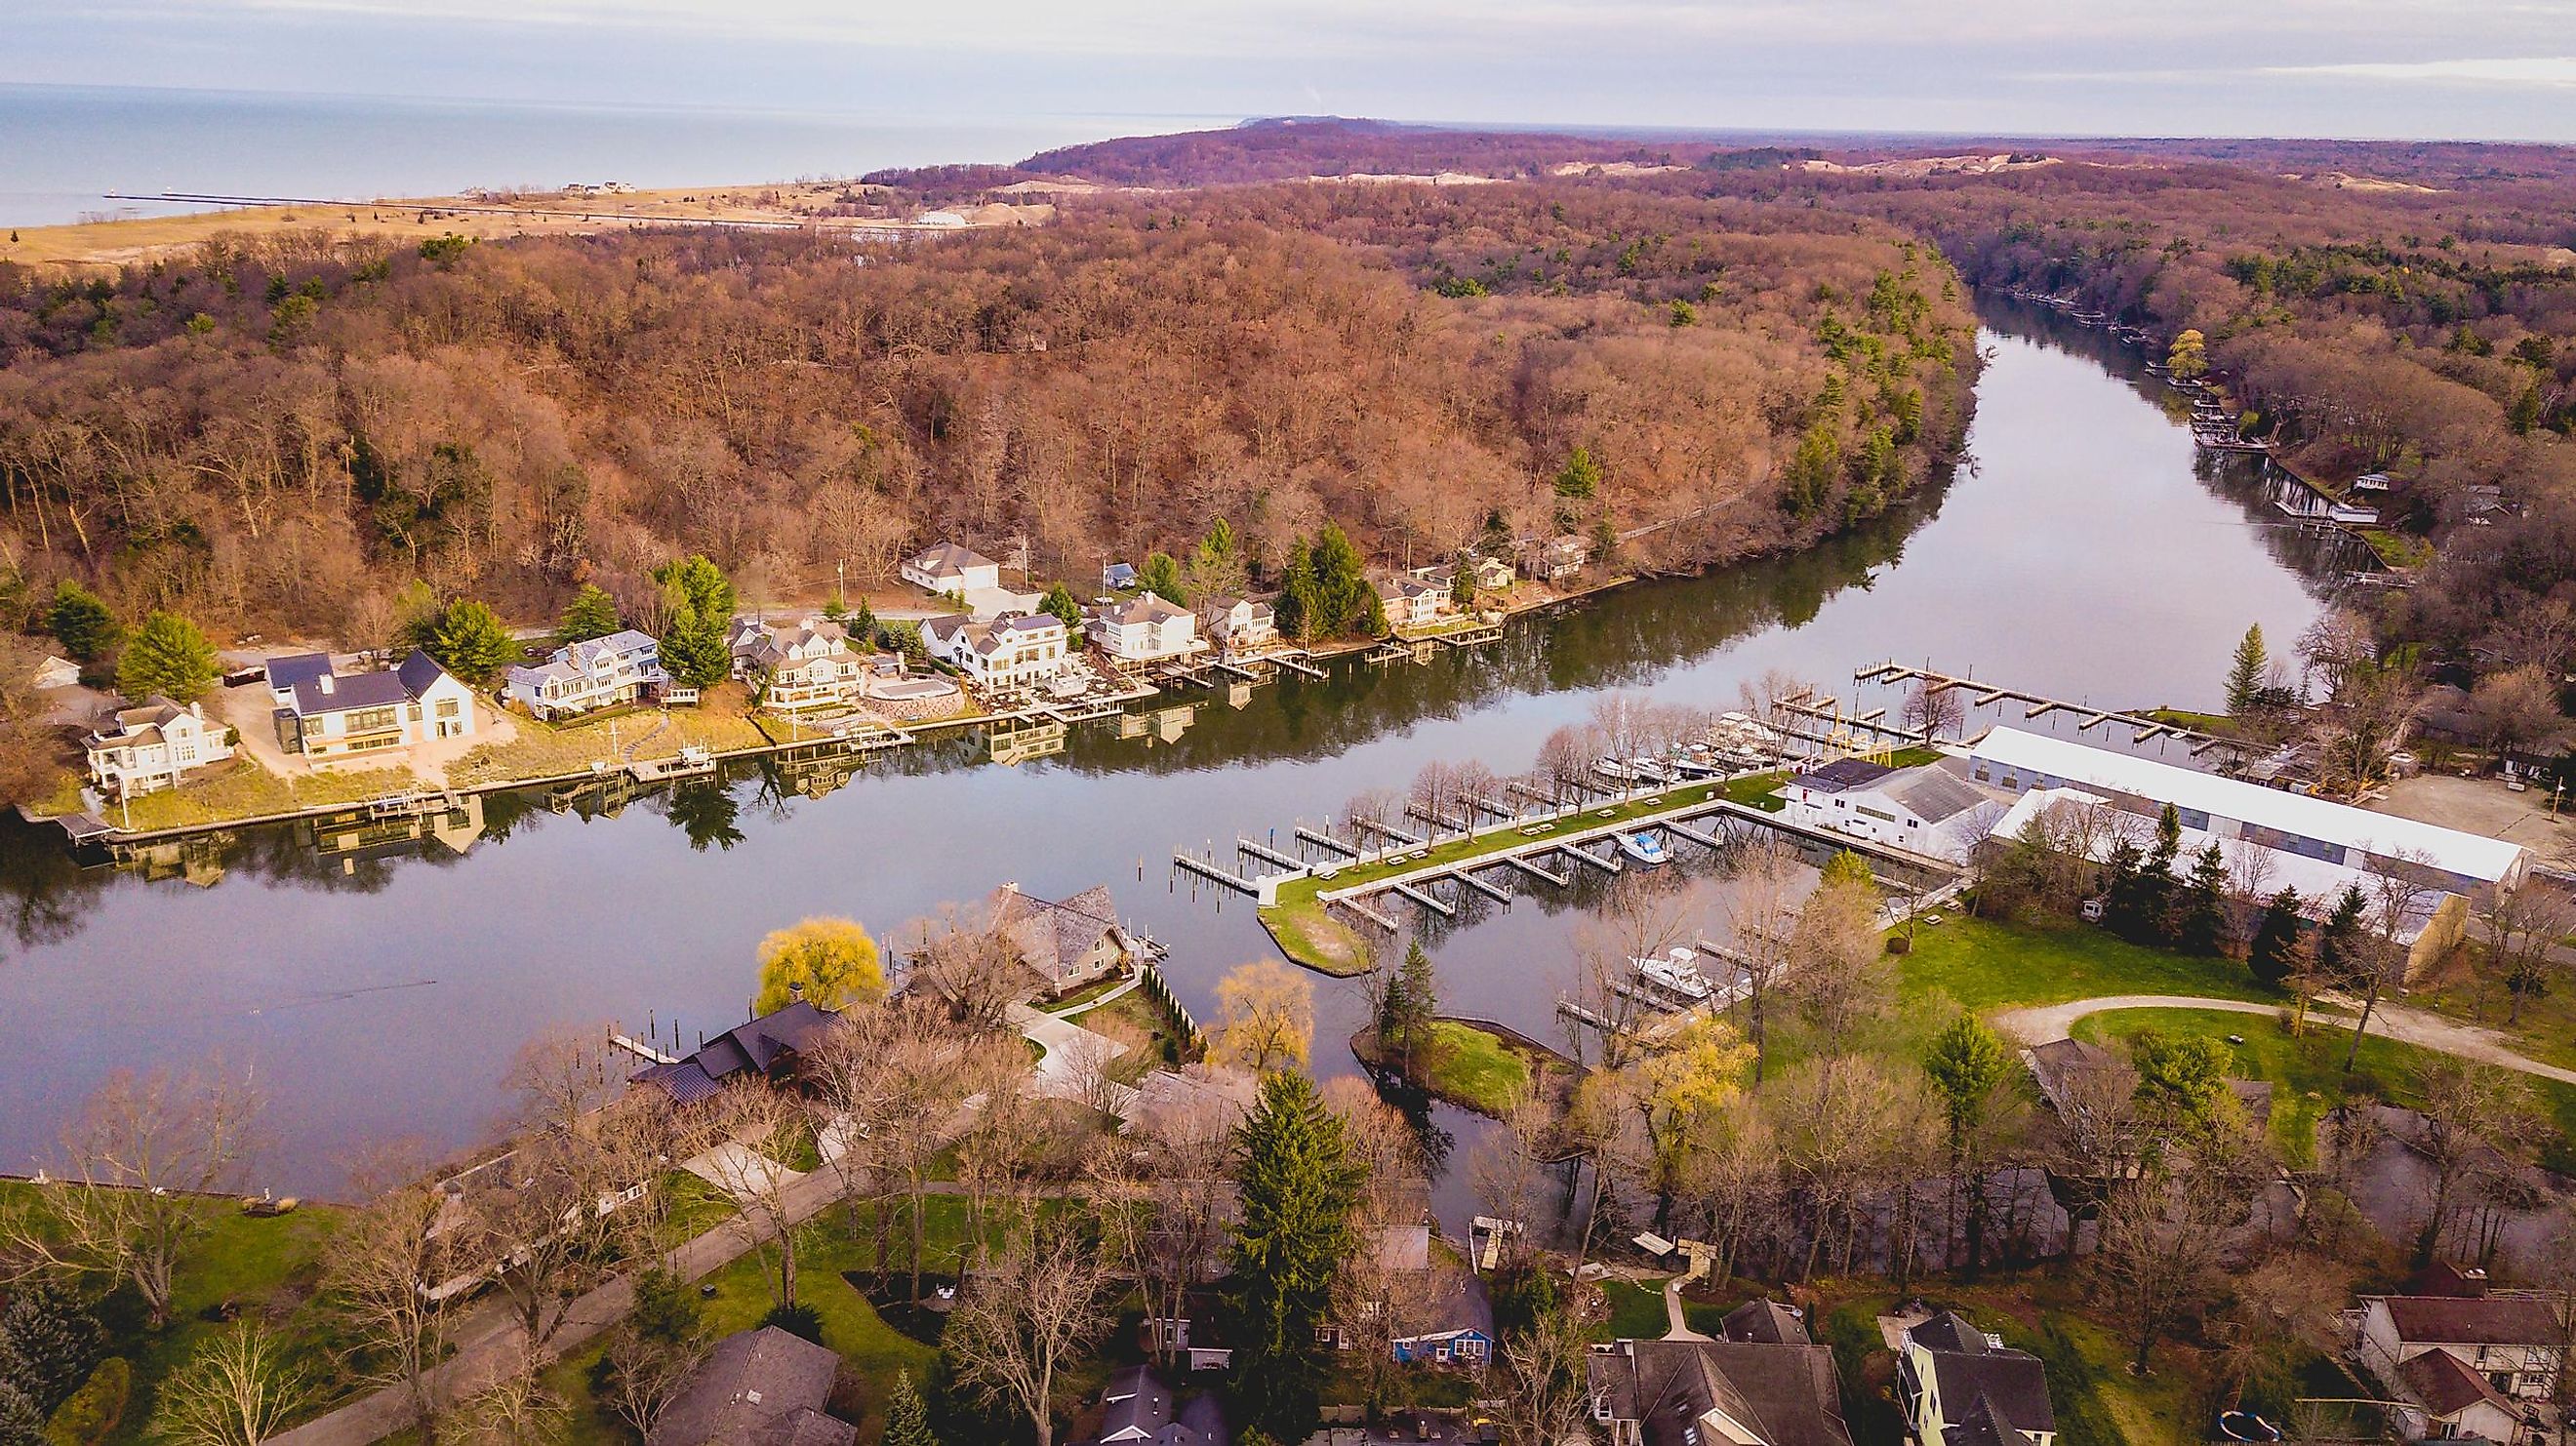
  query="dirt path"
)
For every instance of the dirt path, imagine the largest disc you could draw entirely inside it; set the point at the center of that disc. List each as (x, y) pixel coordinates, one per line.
(2042, 1024)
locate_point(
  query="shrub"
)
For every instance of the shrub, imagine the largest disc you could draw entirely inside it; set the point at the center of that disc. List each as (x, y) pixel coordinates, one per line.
(799, 1319)
(94, 1410)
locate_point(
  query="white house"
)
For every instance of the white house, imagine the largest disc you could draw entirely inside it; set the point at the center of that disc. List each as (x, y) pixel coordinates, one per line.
(2473, 1362)
(142, 749)
(1930, 808)
(1145, 629)
(807, 665)
(1237, 624)
(949, 568)
(624, 667)
(1556, 558)
(1956, 1383)
(1027, 651)
(333, 715)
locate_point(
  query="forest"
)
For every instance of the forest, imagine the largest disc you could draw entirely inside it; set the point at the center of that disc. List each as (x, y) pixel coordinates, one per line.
(283, 437)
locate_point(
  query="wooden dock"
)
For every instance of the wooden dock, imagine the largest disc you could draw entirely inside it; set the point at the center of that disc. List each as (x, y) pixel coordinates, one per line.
(1298, 663)
(1372, 915)
(1523, 864)
(1714, 842)
(1214, 874)
(1327, 841)
(1609, 865)
(2039, 705)
(1370, 825)
(1499, 896)
(1437, 905)
(1269, 855)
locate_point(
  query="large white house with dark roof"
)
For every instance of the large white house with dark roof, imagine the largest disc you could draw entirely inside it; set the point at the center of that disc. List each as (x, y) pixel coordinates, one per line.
(1931, 809)
(149, 747)
(1026, 651)
(326, 714)
(624, 667)
(1146, 628)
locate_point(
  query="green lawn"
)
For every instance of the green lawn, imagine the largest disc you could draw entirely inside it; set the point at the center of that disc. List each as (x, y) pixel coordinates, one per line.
(1474, 1068)
(2098, 1402)
(1986, 965)
(2306, 1071)
(269, 1265)
(1636, 1312)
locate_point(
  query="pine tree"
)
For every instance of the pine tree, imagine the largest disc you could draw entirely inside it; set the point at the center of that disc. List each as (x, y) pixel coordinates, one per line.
(697, 608)
(1580, 477)
(80, 621)
(1967, 1061)
(907, 1418)
(2245, 674)
(467, 639)
(1298, 612)
(1412, 1002)
(592, 613)
(2201, 925)
(1066, 608)
(1298, 1188)
(49, 1341)
(167, 656)
(1161, 576)
(2276, 940)
(2339, 941)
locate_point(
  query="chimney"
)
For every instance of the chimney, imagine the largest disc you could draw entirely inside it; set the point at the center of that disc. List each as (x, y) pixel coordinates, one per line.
(796, 991)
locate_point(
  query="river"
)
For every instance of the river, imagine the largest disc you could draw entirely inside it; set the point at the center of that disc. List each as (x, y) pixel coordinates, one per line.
(2087, 551)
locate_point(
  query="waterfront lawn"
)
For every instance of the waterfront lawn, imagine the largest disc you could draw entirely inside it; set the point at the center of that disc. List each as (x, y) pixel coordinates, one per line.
(1468, 1066)
(249, 1265)
(2306, 1070)
(1988, 965)
(1636, 1312)
(721, 722)
(1307, 932)
(241, 788)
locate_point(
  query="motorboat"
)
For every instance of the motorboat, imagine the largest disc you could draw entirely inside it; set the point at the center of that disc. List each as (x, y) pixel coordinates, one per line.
(1676, 973)
(1643, 847)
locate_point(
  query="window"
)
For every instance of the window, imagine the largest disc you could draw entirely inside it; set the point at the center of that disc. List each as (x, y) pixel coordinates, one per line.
(447, 707)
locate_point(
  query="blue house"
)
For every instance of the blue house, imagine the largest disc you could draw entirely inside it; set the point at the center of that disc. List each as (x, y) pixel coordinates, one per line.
(1118, 576)
(1461, 1325)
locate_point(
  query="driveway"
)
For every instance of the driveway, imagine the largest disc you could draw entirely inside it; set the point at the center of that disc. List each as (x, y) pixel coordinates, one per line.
(2046, 1023)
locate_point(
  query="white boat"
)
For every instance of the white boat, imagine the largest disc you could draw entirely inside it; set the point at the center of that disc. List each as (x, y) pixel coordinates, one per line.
(1677, 973)
(1645, 848)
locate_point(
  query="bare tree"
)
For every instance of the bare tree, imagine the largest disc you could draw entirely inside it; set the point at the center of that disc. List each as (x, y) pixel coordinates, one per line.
(1029, 1317)
(1435, 796)
(1932, 709)
(2163, 1238)
(1763, 916)
(127, 1204)
(1370, 813)
(758, 1129)
(1565, 763)
(386, 1273)
(1642, 915)
(239, 1389)
(549, 1219)
(2400, 889)
(1546, 1398)
(516, 1408)
(2522, 926)
(1476, 787)
(968, 966)
(2478, 1120)
(645, 1374)
(1841, 961)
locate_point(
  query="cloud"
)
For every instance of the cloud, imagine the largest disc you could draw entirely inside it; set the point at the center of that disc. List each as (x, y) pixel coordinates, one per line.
(2551, 71)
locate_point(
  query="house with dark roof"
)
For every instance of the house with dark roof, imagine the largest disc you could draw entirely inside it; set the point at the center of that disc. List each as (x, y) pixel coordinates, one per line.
(1065, 943)
(1931, 808)
(1959, 1386)
(1700, 1393)
(2510, 1342)
(767, 1048)
(330, 714)
(760, 1387)
(1459, 1323)
(1146, 628)
(1138, 1409)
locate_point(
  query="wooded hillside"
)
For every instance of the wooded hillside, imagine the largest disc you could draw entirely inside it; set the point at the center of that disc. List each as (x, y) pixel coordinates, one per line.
(284, 437)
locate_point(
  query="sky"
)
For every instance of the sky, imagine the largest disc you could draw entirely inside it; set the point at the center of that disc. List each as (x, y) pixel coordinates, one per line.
(2500, 69)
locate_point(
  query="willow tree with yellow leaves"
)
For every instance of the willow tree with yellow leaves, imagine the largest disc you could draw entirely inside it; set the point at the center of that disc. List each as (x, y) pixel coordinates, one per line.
(1653, 1115)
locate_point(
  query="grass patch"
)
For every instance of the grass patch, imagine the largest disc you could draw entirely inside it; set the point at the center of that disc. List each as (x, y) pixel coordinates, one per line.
(1988, 965)
(2219, 723)
(2396, 549)
(1636, 1312)
(2306, 1070)
(1465, 1065)
(721, 722)
(240, 788)
(1307, 933)
(267, 1267)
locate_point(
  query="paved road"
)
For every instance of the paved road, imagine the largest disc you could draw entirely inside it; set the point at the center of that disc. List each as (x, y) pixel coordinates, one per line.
(2044, 1023)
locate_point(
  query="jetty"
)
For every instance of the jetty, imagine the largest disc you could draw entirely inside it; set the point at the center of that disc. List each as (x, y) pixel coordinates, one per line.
(2142, 729)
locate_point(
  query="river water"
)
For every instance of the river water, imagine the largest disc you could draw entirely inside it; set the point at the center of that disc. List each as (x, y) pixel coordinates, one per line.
(2086, 552)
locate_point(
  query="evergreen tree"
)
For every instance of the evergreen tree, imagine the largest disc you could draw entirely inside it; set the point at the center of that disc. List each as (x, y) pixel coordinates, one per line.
(2200, 926)
(2276, 940)
(1580, 477)
(1967, 1062)
(1066, 608)
(80, 621)
(168, 656)
(21, 1423)
(2182, 1080)
(592, 613)
(697, 608)
(1462, 584)
(1299, 610)
(1298, 1187)
(1342, 592)
(49, 1341)
(467, 639)
(836, 609)
(2339, 941)
(2245, 673)
(1412, 1002)
(907, 1418)
(1161, 576)
(2123, 888)
(861, 622)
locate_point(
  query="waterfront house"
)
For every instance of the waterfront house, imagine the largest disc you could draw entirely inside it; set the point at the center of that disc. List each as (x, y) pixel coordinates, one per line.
(331, 715)
(1956, 1383)
(623, 667)
(763, 1387)
(949, 569)
(1456, 1319)
(1493, 574)
(2463, 1356)
(1929, 809)
(152, 746)
(1147, 628)
(1749, 1391)
(1029, 650)
(806, 665)
(283, 674)
(1411, 602)
(2089, 798)
(1556, 558)
(766, 1048)
(1237, 625)
(1066, 943)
